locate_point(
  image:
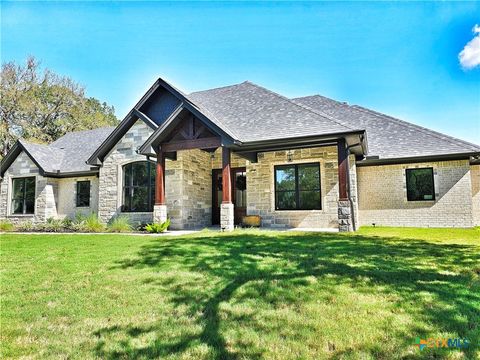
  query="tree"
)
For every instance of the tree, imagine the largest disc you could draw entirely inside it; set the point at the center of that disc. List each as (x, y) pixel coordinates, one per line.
(41, 106)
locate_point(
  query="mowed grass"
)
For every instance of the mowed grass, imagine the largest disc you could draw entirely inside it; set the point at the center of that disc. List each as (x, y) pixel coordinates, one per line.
(240, 295)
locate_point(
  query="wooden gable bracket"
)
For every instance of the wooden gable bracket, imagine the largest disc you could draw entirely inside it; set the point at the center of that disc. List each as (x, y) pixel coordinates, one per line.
(191, 134)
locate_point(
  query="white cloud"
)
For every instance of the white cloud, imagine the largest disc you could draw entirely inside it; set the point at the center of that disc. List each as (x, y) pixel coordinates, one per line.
(469, 57)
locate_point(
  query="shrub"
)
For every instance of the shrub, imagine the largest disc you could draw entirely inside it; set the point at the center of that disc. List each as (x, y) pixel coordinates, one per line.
(52, 225)
(67, 223)
(157, 227)
(87, 223)
(6, 225)
(120, 224)
(26, 226)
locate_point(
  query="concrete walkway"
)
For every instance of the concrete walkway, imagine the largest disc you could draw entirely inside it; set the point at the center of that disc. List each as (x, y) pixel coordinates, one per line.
(173, 232)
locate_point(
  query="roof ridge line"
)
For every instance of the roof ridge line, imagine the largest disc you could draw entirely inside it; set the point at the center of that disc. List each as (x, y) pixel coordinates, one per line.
(423, 129)
(319, 113)
(79, 131)
(218, 87)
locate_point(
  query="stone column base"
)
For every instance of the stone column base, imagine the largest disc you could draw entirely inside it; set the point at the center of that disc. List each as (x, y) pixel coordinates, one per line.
(226, 217)
(345, 222)
(159, 213)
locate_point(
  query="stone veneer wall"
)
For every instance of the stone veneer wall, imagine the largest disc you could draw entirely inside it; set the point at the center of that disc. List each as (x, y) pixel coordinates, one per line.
(67, 196)
(45, 192)
(111, 174)
(475, 174)
(235, 160)
(383, 199)
(353, 184)
(188, 190)
(261, 196)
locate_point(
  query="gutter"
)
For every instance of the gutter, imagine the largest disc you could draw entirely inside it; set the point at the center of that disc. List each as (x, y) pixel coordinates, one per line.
(296, 140)
(375, 161)
(60, 175)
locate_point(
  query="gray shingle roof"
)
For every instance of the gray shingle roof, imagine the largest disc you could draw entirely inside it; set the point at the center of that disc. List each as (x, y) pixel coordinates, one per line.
(46, 156)
(387, 136)
(68, 153)
(78, 146)
(254, 113)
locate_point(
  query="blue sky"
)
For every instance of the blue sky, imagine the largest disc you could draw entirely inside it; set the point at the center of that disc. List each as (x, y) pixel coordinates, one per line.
(398, 58)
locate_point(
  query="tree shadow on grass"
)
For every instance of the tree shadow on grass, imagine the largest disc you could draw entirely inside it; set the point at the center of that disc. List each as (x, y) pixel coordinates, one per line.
(405, 267)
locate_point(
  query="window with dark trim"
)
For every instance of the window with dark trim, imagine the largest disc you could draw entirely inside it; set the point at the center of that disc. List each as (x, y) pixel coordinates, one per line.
(23, 196)
(297, 187)
(83, 193)
(420, 184)
(138, 186)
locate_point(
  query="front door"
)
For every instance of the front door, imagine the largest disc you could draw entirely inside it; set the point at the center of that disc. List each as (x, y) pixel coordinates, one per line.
(239, 194)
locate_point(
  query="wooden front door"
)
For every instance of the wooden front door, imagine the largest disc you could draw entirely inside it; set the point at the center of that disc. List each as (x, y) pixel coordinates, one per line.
(239, 194)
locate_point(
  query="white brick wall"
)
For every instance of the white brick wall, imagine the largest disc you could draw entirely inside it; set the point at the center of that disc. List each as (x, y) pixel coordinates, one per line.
(67, 196)
(475, 174)
(383, 199)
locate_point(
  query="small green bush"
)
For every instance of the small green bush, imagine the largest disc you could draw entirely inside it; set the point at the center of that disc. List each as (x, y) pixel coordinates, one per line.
(6, 225)
(87, 223)
(120, 224)
(52, 225)
(157, 227)
(26, 226)
(67, 223)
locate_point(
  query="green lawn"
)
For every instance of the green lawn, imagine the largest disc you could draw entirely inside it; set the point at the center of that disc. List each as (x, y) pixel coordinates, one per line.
(241, 295)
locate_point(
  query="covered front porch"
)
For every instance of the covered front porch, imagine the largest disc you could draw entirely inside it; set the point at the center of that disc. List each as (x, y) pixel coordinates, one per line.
(203, 178)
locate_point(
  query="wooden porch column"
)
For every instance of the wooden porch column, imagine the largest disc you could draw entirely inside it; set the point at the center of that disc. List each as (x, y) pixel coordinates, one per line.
(226, 180)
(160, 178)
(342, 170)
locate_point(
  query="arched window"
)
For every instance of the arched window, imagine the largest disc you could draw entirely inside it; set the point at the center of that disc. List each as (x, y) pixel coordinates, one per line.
(138, 186)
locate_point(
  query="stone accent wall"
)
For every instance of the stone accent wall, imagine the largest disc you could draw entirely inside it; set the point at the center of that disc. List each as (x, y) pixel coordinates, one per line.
(67, 196)
(188, 190)
(45, 192)
(111, 177)
(261, 191)
(160, 213)
(235, 160)
(187, 183)
(383, 199)
(353, 192)
(227, 216)
(475, 175)
(344, 216)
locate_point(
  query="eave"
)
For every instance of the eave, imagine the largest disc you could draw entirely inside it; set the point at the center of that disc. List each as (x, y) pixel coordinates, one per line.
(374, 161)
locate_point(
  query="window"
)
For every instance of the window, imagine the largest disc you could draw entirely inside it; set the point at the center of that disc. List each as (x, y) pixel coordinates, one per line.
(83, 193)
(138, 187)
(420, 186)
(23, 196)
(297, 187)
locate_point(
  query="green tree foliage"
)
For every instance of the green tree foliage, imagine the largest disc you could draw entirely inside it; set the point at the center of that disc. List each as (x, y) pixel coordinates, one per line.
(41, 106)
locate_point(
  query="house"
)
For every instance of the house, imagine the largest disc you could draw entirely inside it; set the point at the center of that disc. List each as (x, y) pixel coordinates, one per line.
(213, 156)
